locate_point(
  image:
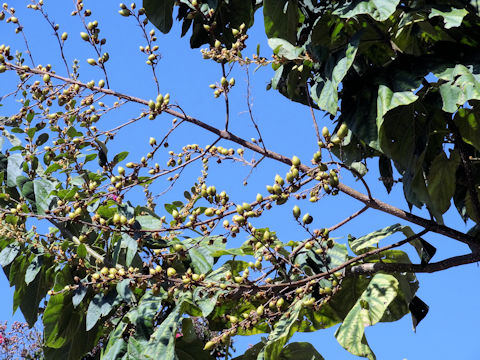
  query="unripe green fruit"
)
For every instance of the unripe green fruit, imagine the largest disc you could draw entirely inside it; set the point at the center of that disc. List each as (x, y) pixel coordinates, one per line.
(209, 345)
(266, 235)
(342, 131)
(326, 133)
(289, 177)
(116, 218)
(296, 212)
(123, 219)
(239, 219)
(124, 12)
(171, 272)
(175, 214)
(279, 180)
(270, 189)
(280, 303)
(64, 36)
(246, 206)
(233, 319)
(91, 61)
(277, 189)
(209, 212)
(121, 170)
(336, 141)
(317, 157)
(294, 173)
(217, 44)
(46, 78)
(235, 32)
(307, 219)
(152, 141)
(223, 81)
(84, 36)
(296, 161)
(232, 81)
(178, 247)
(259, 198)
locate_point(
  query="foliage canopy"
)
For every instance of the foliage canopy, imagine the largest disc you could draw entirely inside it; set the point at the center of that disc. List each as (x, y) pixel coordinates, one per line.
(111, 279)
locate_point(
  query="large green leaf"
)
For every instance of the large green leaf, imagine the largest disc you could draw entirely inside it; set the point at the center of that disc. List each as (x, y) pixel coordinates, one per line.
(14, 168)
(162, 340)
(100, 306)
(160, 13)
(285, 328)
(378, 9)
(202, 260)
(368, 310)
(116, 347)
(43, 188)
(462, 84)
(281, 19)
(300, 351)
(467, 121)
(325, 89)
(368, 242)
(441, 180)
(9, 253)
(452, 18)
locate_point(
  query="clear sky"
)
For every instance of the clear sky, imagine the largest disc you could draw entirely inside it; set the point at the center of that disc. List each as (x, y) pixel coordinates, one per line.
(449, 330)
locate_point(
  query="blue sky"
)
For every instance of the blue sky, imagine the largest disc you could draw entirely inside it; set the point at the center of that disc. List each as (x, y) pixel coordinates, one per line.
(449, 330)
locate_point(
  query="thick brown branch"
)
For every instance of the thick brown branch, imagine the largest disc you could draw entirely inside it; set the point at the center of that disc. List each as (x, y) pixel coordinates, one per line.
(370, 202)
(415, 268)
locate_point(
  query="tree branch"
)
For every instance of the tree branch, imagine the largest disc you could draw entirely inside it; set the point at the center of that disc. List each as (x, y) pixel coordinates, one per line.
(370, 202)
(415, 268)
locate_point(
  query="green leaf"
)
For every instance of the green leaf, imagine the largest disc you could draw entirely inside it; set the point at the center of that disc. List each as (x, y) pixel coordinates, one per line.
(469, 126)
(119, 157)
(143, 315)
(441, 180)
(386, 172)
(300, 351)
(116, 346)
(380, 10)
(9, 253)
(34, 268)
(123, 290)
(162, 340)
(205, 300)
(79, 294)
(14, 168)
(52, 168)
(366, 243)
(452, 18)
(325, 90)
(100, 306)
(15, 141)
(462, 84)
(160, 13)
(281, 19)
(367, 311)
(149, 222)
(82, 251)
(285, 328)
(202, 260)
(43, 189)
(285, 49)
(60, 321)
(42, 139)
